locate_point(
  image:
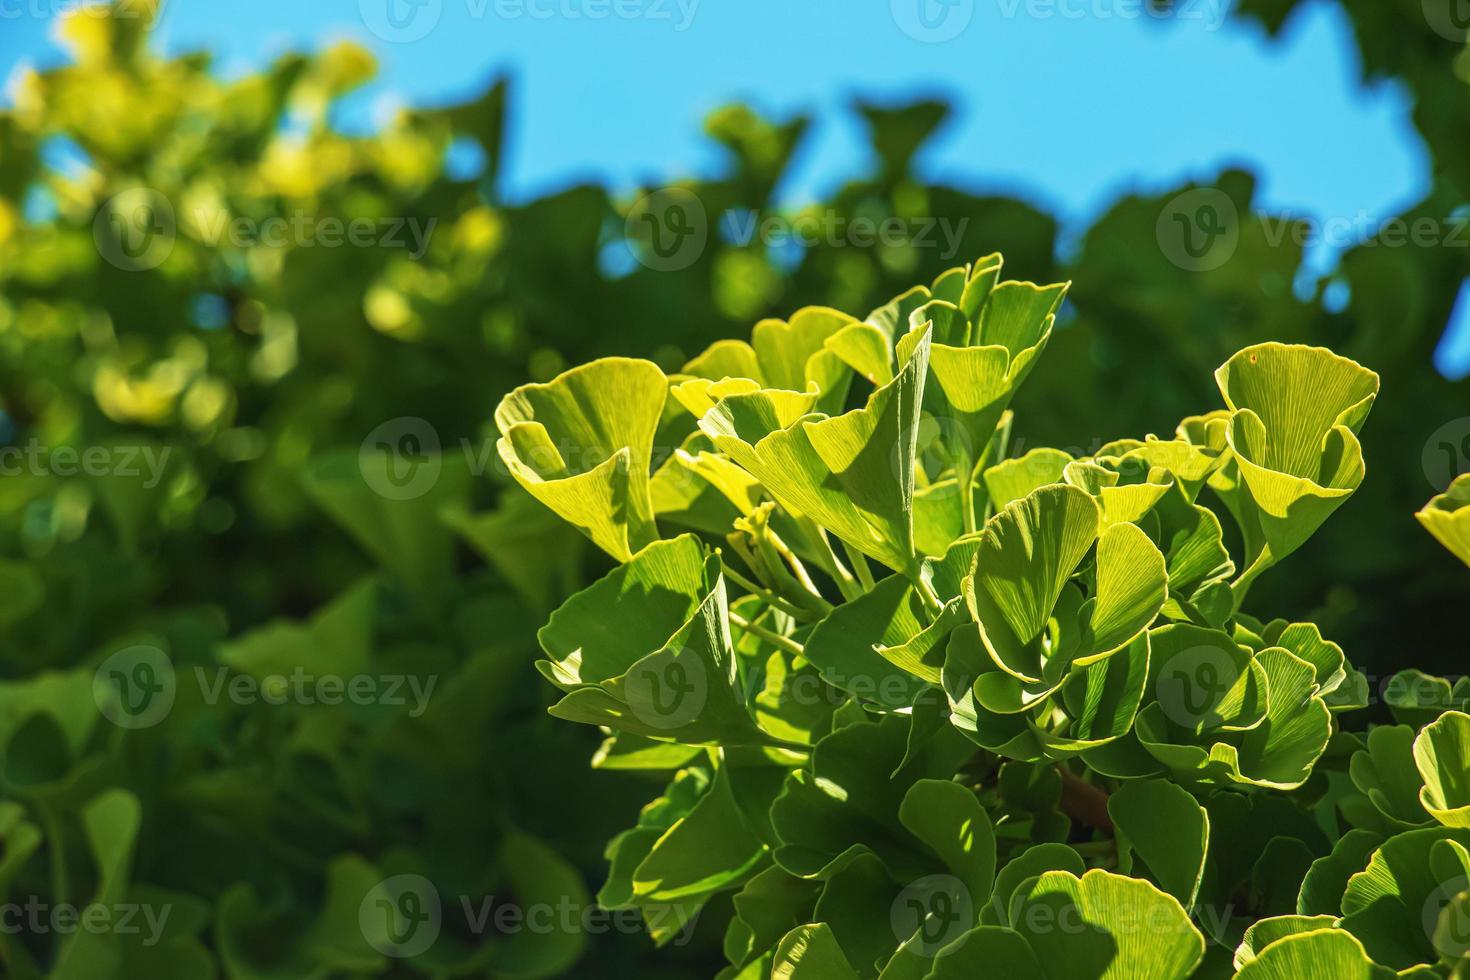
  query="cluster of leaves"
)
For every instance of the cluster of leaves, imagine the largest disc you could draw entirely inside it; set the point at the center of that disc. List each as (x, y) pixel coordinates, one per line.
(926, 707)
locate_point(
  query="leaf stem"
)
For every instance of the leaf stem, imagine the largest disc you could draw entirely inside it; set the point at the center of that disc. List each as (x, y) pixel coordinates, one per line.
(860, 566)
(927, 593)
(785, 643)
(1241, 586)
(964, 478)
(846, 584)
(781, 561)
(771, 598)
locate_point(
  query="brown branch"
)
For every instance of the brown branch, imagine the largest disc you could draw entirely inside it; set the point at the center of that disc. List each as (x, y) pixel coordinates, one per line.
(1084, 802)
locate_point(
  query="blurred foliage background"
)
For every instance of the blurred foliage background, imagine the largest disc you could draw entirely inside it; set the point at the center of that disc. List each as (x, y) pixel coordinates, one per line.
(253, 371)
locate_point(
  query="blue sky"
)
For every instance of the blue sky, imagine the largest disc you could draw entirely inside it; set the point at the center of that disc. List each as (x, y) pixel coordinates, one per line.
(1066, 103)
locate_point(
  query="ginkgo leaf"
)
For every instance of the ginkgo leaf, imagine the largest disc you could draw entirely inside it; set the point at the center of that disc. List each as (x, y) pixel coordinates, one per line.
(603, 630)
(985, 951)
(1016, 478)
(1327, 879)
(811, 952)
(1132, 586)
(1202, 680)
(1296, 411)
(852, 473)
(1101, 702)
(1192, 540)
(1384, 771)
(866, 349)
(703, 853)
(1121, 501)
(1447, 517)
(1386, 904)
(726, 359)
(647, 651)
(793, 354)
(964, 287)
(1287, 508)
(1030, 864)
(966, 662)
(1442, 755)
(1118, 928)
(951, 820)
(1027, 554)
(849, 800)
(1264, 932)
(1299, 394)
(1417, 698)
(699, 395)
(1321, 954)
(582, 444)
(843, 645)
(1305, 640)
(1165, 827)
(1190, 465)
(1282, 751)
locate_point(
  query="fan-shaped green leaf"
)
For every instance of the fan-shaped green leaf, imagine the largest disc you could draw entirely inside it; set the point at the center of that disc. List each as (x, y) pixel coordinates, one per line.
(1447, 517)
(1027, 554)
(1323, 954)
(1165, 827)
(1442, 755)
(582, 444)
(1106, 926)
